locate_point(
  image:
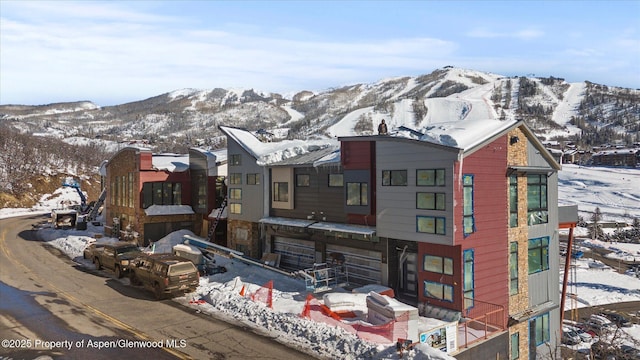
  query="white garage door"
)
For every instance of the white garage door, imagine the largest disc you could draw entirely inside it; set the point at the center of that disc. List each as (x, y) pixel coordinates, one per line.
(363, 266)
(295, 254)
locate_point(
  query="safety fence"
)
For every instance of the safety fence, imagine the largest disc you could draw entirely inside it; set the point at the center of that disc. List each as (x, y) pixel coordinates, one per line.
(381, 334)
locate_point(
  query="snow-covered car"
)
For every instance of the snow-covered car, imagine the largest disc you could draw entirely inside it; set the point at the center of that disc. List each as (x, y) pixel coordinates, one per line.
(584, 336)
(570, 337)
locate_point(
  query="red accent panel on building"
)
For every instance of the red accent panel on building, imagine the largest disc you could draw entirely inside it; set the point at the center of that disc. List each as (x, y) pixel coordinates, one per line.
(360, 219)
(455, 280)
(146, 160)
(357, 155)
(490, 239)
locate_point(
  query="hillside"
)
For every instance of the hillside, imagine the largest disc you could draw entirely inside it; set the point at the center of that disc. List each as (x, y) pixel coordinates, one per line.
(585, 114)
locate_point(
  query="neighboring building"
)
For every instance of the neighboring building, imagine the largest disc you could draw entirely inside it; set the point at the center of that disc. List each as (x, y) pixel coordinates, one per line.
(151, 195)
(460, 219)
(617, 157)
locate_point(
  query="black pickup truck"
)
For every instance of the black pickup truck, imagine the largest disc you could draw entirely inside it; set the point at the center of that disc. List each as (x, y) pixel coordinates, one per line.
(116, 257)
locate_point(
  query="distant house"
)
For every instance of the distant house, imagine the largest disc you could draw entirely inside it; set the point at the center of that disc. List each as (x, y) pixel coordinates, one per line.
(151, 195)
(617, 157)
(462, 219)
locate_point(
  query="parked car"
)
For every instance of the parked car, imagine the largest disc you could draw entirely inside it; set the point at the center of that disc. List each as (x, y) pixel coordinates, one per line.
(116, 257)
(164, 274)
(570, 337)
(617, 319)
(584, 335)
(598, 323)
(91, 249)
(629, 353)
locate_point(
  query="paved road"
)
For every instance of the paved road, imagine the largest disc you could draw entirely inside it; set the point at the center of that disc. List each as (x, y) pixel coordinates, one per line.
(49, 305)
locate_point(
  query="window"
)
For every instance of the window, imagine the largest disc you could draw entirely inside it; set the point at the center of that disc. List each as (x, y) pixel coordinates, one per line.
(468, 283)
(538, 255)
(513, 201)
(336, 180)
(537, 209)
(235, 194)
(200, 184)
(131, 191)
(513, 268)
(469, 224)
(302, 180)
(281, 191)
(430, 201)
(235, 208)
(358, 194)
(235, 160)
(161, 193)
(430, 177)
(515, 346)
(438, 291)
(235, 178)
(253, 179)
(394, 178)
(431, 225)
(438, 264)
(540, 327)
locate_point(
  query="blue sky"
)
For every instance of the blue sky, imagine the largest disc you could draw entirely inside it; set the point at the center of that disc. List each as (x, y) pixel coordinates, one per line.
(122, 51)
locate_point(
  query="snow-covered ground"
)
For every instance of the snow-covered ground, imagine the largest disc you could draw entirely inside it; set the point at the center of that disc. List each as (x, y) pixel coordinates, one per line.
(219, 294)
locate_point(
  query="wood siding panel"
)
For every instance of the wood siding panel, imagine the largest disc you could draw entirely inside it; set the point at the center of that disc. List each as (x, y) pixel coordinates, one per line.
(317, 198)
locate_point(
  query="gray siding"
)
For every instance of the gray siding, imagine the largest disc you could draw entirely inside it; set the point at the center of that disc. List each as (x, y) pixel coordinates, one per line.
(252, 195)
(396, 205)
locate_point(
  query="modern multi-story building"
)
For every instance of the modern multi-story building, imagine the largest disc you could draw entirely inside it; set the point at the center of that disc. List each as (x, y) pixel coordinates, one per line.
(463, 219)
(151, 195)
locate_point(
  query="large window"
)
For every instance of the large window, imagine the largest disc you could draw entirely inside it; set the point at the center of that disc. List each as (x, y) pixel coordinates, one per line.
(513, 201)
(515, 346)
(430, 177)
(235, 159)
(336, 180)
(303, 180)
(537, 208)
(430, 201)
(235, 208)
(394, 177)
(541, 329)
(438, 291)
(161, 193)
(357, 194)
(469, 222)
(281, 191)
(538, 255)
(468, 282)
(513, 268)
(235, 178)
(253, 179)
(438, 264)
(431, 225)
(235, 194)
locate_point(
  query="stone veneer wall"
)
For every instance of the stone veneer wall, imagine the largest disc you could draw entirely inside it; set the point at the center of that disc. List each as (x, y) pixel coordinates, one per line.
(244, 236)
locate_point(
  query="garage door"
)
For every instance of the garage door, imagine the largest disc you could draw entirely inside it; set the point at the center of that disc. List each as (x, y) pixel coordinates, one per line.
(295, 254)
(363, 266)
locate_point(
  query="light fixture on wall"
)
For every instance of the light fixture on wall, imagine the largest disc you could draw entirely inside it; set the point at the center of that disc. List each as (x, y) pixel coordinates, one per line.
(513, 140)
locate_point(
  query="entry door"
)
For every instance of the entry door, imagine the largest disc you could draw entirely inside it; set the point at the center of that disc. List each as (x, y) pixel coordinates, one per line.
(408, 274)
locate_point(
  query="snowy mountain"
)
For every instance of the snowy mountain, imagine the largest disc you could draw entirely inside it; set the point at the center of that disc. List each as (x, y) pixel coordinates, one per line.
(553, 108)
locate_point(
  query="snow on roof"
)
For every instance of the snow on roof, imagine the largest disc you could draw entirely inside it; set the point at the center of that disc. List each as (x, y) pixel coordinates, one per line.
(170, 162)
(168, 210)
(268, 153)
